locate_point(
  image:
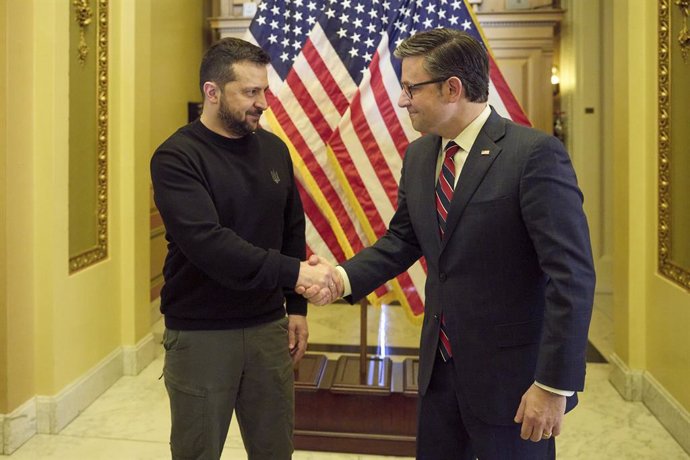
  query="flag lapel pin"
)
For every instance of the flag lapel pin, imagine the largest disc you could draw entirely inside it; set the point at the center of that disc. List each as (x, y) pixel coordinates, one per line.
(485, 152)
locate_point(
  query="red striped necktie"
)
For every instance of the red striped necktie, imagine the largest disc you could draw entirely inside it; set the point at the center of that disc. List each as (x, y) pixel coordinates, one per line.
(444, 195)
(445, 185)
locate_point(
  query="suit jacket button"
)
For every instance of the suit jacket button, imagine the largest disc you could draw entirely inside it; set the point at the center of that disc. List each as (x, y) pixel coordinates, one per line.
(436, 316)
(442, 276)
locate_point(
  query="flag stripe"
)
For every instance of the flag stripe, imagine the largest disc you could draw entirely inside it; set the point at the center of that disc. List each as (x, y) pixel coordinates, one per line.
(315, 169)
(405, 282)
(321, 225)
(511, 104)
(385, 106)
(374, 153)
(355, 181)
(329, 84)
(309, 107)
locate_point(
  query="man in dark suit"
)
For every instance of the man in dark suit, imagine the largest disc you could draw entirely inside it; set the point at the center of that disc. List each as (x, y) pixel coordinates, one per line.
(498, 216)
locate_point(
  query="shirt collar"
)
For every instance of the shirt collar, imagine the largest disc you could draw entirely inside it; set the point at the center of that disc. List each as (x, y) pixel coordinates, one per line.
(468, 135)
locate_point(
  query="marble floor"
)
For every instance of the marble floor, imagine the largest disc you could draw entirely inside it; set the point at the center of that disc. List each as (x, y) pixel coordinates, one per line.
(130, 421)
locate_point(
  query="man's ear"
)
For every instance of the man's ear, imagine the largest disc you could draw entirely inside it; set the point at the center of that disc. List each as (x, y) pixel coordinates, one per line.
(211, 92)
(455, 89)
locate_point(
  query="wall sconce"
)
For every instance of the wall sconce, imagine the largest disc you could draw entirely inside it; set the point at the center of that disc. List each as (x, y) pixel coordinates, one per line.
(555, 80)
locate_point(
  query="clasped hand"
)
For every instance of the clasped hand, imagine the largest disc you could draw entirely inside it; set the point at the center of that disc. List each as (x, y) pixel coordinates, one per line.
(318, 281)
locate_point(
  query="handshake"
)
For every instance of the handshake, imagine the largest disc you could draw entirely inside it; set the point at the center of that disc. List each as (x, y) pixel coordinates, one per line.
(319, 281)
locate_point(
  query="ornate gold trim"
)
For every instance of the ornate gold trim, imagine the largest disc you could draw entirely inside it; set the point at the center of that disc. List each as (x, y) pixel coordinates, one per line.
(684, 35)
(100, 251)
(83, 18)
(672, 271)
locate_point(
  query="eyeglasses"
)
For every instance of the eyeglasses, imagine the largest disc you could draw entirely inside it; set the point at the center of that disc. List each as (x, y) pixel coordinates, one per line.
(407, 87)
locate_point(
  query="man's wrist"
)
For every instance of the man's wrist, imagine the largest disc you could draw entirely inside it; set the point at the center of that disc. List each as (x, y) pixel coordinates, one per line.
(347, 289)
(554, 390)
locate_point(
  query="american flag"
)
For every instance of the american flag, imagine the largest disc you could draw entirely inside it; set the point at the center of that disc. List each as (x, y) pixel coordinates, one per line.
(334, 89)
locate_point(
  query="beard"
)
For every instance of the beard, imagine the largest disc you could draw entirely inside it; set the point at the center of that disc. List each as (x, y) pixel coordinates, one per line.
(233, 123)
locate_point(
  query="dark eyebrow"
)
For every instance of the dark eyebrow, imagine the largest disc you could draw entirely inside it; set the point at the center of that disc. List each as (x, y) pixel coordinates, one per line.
(252, 88)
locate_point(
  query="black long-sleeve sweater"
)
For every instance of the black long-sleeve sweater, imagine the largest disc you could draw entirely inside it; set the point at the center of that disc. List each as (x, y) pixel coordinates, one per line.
(235, 229)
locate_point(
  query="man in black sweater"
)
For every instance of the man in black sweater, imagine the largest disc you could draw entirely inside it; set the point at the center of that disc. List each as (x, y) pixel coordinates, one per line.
(235, 229)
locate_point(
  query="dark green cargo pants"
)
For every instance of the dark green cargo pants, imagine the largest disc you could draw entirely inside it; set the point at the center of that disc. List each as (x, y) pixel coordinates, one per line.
(208, 374)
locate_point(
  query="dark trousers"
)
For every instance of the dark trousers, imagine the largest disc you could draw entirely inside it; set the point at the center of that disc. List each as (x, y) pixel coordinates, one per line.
(211, 374)
(448, 430)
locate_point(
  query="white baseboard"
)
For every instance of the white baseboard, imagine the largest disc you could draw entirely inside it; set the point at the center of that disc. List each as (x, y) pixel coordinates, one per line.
(50, 414)
(642, 386)
(627, 381)
(55, 412)
(17, 427)
(137, 357)
(667, 410)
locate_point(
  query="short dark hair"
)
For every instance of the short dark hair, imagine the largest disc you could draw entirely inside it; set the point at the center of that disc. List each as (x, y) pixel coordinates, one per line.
(216, 65)
(451, 53)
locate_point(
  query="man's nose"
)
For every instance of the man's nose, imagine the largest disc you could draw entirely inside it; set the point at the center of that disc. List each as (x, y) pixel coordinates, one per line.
(261, 101)
(403, 99)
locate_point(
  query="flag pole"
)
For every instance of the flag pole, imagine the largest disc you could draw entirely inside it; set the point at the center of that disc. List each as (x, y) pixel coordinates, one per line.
(363, 340)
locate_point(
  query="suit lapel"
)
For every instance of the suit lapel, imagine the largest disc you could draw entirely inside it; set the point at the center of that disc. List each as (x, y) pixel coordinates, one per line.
(427, 173)
(484, 152)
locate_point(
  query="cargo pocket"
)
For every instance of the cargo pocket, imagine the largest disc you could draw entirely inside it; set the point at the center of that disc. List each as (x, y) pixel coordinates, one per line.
(188, 415)
(170, 339)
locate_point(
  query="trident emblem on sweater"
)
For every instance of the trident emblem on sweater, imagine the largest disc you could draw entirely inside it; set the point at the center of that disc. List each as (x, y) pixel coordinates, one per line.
(275, 176)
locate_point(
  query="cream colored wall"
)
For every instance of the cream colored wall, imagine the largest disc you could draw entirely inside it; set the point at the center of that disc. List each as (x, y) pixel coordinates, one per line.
(668, 322)
(621, 211)
(19, 260)
(3, 219)
(651, 314)
(582, 80)
(57, 327)
(667, 316)
(130, 91)
(176, 50)
(77, 316)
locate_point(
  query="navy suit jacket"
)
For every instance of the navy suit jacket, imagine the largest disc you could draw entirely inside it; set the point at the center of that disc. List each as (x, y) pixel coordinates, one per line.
(513, 275)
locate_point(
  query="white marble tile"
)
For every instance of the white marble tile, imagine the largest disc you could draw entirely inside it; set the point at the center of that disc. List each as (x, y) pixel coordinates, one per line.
(61, 447)
(604, 426)
(134, 408)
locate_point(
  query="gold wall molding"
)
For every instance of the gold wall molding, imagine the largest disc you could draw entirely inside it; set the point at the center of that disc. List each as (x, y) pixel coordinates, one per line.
(684, 35)
(83, 18)
(668, 267)
(100, 251)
